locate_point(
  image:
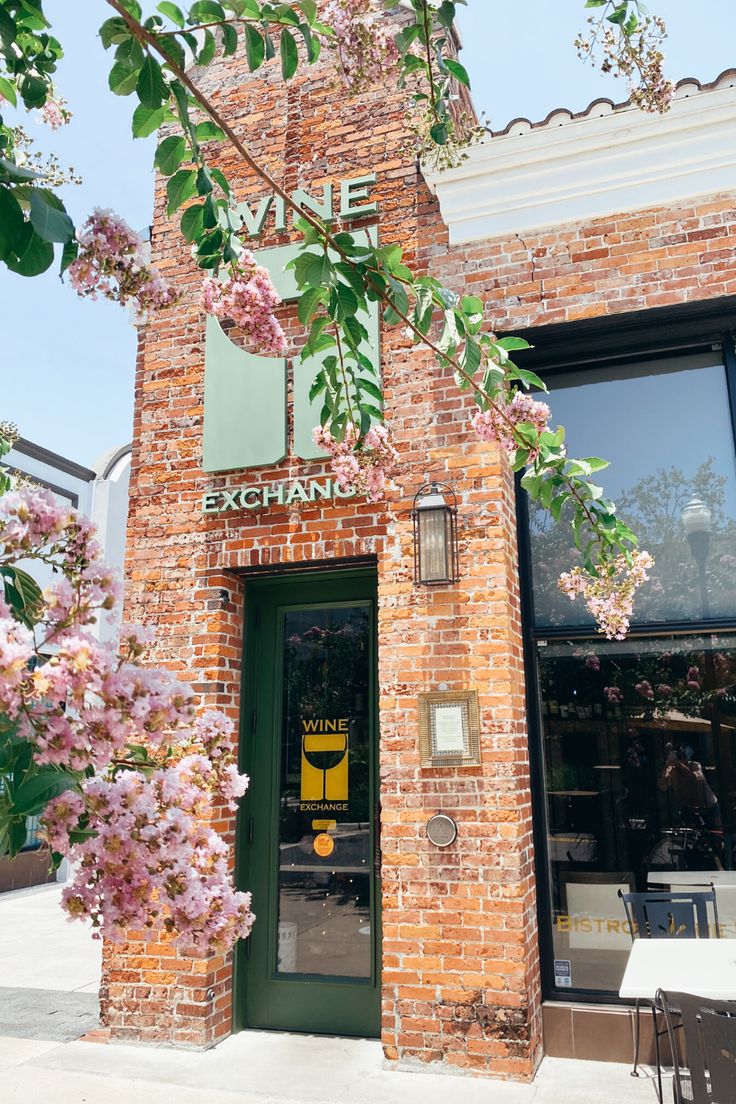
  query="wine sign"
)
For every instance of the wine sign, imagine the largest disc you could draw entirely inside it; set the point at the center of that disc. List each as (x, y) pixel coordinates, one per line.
(324, 765)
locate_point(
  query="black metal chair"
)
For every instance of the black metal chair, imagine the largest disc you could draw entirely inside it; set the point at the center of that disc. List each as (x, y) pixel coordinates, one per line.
(707, 1075)
(656, 915)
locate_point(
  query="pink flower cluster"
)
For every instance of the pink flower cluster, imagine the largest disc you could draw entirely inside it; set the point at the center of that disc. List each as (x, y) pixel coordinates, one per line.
(365, 43)
(141, 844)
(364, 465)
(149, 856)
(610, 595)
(112, 263)
(499, 422)
(249, 298)
(55, 114)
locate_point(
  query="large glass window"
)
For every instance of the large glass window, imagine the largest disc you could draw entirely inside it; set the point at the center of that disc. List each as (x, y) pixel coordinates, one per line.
(665, 426)
(639, 736)
(640, 786)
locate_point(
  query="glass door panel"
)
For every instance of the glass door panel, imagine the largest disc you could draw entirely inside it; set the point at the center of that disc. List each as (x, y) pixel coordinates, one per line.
(324, 919)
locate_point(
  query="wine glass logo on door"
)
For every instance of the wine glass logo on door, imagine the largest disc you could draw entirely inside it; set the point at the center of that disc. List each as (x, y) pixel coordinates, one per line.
(324, 760)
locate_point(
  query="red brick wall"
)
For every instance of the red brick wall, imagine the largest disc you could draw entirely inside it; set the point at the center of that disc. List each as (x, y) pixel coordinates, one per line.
(460, 960)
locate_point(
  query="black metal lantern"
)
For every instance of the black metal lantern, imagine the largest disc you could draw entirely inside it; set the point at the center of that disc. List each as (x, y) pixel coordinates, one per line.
(435, 535)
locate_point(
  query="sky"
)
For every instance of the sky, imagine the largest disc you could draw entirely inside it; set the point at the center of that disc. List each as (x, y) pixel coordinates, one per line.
(67, 365)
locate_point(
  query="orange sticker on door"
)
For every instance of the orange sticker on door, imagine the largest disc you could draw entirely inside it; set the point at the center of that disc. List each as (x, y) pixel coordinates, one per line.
(324, 845)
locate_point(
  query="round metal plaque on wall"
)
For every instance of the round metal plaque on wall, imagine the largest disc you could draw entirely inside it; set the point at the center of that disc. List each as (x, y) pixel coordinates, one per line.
(441, 830)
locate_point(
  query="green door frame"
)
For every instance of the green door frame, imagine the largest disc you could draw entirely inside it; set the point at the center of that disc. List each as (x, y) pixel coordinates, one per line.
(314, 1004)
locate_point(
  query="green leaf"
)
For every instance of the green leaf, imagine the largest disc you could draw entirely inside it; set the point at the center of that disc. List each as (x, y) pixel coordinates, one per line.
(7, 90)
(229, 39)
(181, 187)
(8, 28)
(595, 463)
(255, 47)
(531, 379)
(172, 12)
(10, 171)
(204, 181)
(309, 7)
(458, 71)
(192, 221)
(122, 80)
(219, 178)
(347, 300)
(370, 388)
(133, 8)
(208, 50)
(471, 305)
(27, 599)
(511, 343)
(317, 387)
(31, 255)
(439, 134)
(49, 218)
(147, 119)
(206, 11)
(307, 303)
(317, 269)
(618, 15)
(69, 253)
(151, 87)
(170, 154)
(11, 221)
(209, 132)
(113, 31)
(34, 794)
(289, 54)
(33, 91)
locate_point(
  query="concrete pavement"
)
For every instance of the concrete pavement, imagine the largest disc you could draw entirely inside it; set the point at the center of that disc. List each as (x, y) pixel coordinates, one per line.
(268, 1068)
(49, 974)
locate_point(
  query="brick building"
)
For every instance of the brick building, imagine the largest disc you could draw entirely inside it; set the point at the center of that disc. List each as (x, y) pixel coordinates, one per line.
(296, 609)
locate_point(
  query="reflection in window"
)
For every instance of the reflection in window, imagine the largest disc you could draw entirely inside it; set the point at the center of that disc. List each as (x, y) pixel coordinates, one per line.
(640, 781)
(665, 427)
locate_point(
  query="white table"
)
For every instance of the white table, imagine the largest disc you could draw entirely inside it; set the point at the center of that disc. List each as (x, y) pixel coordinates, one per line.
(705, 967)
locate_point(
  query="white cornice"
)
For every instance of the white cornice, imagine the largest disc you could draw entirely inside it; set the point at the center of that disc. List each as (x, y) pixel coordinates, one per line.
(607, 160)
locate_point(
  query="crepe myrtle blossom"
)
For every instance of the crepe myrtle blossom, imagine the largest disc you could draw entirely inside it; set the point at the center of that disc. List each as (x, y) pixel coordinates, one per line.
(144, 854)
(249, 298)
(610, 595)
(144, 774)
(54, 113)
(363, 465)
(613, 694)
(112, 263)
(364, 41)
(500, 420)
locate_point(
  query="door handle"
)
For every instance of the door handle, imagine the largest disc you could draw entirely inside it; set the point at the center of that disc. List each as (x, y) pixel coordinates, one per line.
(377, 841)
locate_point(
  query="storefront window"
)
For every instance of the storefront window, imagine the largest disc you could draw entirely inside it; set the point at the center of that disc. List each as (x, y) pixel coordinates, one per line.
(665, 426)
(639, 743)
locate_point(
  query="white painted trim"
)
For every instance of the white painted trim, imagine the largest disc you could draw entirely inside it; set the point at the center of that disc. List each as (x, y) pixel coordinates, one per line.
(605, 162)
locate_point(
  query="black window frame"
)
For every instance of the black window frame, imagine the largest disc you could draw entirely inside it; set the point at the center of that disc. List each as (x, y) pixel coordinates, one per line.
(568, 347)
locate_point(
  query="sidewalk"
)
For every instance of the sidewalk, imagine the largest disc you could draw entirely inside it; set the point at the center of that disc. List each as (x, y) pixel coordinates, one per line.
(49, 969)
(267, 1068)
(49, 974)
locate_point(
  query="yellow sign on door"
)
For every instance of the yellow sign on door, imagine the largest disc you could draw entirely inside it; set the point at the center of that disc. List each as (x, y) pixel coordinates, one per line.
(324, 760)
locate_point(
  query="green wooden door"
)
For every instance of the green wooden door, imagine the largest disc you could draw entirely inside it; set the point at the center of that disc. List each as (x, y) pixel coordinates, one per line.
(306, 846)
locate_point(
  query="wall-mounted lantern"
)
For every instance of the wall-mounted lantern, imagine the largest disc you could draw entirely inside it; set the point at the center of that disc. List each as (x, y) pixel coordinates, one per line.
(435, 535)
